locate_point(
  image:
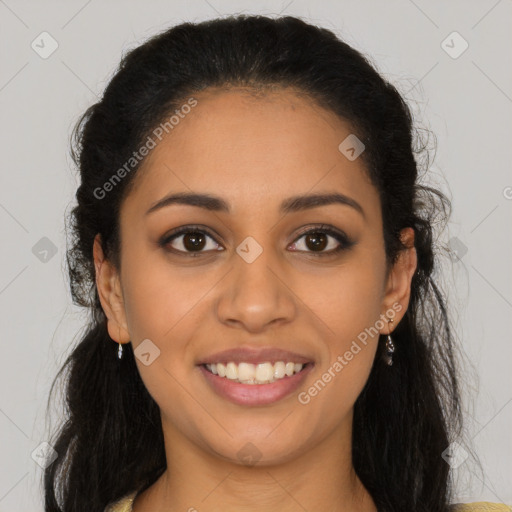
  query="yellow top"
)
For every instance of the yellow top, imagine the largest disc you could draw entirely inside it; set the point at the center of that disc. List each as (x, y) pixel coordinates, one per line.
(480, 506)
(125, 505)
(122, 505)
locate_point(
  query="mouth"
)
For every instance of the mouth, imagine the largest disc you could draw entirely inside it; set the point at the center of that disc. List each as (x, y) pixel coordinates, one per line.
(252, 385)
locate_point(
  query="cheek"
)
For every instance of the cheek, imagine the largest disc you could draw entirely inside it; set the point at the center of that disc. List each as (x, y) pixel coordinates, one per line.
(164, 306)
(349, 305)
(351, 310)
(158, 296)
(331, 396)
(168, 306)
(348, 302)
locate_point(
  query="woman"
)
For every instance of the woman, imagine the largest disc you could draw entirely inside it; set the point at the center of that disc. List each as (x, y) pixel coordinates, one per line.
(256, 251)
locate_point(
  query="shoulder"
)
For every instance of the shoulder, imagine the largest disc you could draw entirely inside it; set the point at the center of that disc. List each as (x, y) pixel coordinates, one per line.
(480, 506)
(122, 505)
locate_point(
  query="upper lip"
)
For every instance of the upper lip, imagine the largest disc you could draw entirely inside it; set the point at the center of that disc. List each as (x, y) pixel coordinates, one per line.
(255, 356)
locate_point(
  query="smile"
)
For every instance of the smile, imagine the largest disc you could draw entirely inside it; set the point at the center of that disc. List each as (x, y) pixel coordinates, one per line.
(255, 384)
(248, 373)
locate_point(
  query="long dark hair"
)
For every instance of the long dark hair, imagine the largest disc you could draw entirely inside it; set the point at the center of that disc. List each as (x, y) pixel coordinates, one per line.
(111, 441)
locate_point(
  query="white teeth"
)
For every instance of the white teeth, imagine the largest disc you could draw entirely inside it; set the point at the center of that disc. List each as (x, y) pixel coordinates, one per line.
(231, 371)
(279, 370)
(248, 373)
(264, 372)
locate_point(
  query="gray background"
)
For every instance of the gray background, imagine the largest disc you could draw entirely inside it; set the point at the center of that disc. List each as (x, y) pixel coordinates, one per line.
(466, 101)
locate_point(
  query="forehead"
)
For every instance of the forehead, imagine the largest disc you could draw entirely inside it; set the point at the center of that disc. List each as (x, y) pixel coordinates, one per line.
(253, 149)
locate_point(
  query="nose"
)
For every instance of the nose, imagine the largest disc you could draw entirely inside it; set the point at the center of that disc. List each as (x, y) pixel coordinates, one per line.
(256, 294)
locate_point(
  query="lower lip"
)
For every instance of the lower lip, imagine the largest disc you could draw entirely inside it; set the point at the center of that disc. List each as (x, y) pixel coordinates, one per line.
(255, 394)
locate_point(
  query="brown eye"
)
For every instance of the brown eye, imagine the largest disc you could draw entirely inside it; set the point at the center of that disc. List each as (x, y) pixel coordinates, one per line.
(194, 241)
(188, 240)
(316, 241)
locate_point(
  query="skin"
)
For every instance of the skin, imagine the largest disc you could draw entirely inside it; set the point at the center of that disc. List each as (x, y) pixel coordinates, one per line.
(253, 152)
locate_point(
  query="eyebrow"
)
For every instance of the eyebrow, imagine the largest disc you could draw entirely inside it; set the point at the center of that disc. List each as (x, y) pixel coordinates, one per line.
(289, 205)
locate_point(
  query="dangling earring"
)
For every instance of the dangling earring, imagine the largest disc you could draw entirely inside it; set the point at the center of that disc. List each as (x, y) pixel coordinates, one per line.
(120, 349)
(390, 348)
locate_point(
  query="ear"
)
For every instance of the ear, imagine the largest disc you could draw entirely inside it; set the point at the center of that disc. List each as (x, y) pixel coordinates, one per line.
(398, 286)
(109, 291)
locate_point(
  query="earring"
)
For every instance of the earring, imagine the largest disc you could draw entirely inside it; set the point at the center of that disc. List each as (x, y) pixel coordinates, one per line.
(120, 349)
(390, 348)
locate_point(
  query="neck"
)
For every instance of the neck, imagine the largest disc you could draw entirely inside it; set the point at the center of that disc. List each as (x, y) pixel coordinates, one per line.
(197, 480)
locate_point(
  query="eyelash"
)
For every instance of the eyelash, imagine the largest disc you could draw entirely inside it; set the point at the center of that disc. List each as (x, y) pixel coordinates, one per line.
(344, 241)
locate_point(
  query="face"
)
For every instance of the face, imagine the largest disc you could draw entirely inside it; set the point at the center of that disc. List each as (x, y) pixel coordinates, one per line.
(263, 274)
